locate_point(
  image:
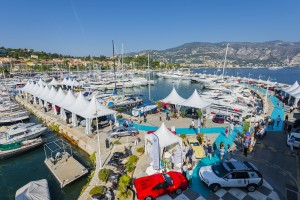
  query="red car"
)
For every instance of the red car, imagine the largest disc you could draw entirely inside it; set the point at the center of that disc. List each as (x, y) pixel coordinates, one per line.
(151, 187)
(219, 118)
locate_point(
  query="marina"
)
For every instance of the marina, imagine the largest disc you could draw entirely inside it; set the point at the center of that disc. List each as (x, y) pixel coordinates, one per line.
(50, 117)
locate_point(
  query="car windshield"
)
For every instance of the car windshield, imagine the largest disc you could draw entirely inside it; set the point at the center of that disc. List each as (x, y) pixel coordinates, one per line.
(219, 116)
(194, 144)
(219, 170)
(168, 179)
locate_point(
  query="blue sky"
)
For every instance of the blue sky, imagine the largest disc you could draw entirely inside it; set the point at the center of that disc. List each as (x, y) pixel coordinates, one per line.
(87, 27)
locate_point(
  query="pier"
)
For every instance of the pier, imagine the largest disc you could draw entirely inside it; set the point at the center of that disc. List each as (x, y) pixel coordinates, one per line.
(62, 164)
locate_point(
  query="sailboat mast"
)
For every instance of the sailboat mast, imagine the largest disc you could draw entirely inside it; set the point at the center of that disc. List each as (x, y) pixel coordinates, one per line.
(225, 60)
(149, 76)
(122, 64)
(114, 64)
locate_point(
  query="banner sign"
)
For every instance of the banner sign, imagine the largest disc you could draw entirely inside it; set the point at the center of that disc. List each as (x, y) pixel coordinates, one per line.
(155, 152)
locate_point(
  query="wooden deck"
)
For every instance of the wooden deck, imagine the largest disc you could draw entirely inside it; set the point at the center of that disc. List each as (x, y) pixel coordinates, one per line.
(66, 169)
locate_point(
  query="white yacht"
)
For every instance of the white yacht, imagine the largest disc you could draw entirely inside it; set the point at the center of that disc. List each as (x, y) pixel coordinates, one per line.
(19, 134)
(14, 117)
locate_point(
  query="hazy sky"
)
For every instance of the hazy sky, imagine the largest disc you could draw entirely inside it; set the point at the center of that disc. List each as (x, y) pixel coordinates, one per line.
(83, 27)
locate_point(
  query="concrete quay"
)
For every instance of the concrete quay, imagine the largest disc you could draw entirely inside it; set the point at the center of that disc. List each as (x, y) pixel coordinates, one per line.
(75, 135)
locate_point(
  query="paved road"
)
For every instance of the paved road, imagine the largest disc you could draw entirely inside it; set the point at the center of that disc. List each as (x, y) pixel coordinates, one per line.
(275, 161)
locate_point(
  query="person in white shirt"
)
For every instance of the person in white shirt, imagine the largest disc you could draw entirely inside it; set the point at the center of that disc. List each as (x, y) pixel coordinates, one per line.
(231, 127)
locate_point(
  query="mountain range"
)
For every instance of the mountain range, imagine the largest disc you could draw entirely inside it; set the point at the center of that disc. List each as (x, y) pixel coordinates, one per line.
(240, 54)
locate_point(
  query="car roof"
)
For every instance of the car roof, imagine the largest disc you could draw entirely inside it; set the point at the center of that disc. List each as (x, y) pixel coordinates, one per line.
(192, 140)
(296, 135)
(238, 166)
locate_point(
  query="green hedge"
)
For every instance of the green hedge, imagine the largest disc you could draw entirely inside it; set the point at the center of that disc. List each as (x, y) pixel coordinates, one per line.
(130, 165)
(96, 190)
(124, 182)
(104, 174)
(141, 150)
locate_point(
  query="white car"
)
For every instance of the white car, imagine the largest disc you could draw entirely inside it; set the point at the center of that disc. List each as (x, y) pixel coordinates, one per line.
(297, 139)
(231, 174)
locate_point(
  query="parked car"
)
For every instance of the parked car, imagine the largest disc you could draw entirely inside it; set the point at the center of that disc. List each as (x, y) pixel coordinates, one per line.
(151, 187)
(121, 131)
(297, 139)
(199, 151)
(231, 174)
(104, 121)
(219, 118)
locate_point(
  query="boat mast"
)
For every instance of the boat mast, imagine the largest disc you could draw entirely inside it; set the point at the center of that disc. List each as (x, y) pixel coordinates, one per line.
(122, 64)
(114, 64)
(225, 60)
(149, 75)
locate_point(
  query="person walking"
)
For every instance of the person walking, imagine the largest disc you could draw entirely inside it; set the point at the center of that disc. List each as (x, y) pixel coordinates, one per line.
(192, 124)
(205, 150)
(222, 153)
(291, 109)
(209, 150)
(291, 143)
(145, 118)
(226, 132)
(229, 152)
(231, 127)
(215, 148)
(278, 119)
(184, 169)
(110, 124)
(160, 118)
(246, 145)
(189, 174)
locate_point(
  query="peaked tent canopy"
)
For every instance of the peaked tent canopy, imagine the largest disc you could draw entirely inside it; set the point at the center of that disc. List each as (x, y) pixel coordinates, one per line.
(78, 105)
(68, 100)
(291, 88)
(95, 109)
(173, 98)
(44, 93)
(34, 190)
(165, 137)
(195, 101)
(53, 82)
(41, 82)
(295, 91)
(60, 95)
(51, 95)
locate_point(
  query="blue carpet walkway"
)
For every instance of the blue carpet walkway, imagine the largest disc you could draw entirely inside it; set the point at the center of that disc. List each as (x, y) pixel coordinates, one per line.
(197, 185)
(276, 111)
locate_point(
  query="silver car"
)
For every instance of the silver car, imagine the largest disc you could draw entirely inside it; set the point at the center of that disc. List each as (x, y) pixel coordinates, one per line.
(121, 131)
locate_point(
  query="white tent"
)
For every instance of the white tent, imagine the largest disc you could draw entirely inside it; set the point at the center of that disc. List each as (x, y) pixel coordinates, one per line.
(173, 98)
(67, 101)
(41, 82)
(195, 101)
(291, 88)
(95, 109)
(34, 190)
(165, 138)
(59, 97)
(53, 82)
(295, 91)
(64, 81)
(51, 95)
(78, 105)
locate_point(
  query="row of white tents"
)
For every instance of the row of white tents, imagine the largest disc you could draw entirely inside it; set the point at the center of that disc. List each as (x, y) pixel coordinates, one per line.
(76, 105)
(66, 81)
(194, 101)
(292, 91)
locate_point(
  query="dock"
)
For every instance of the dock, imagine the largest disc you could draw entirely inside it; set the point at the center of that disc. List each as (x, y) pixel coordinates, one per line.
(64, 167)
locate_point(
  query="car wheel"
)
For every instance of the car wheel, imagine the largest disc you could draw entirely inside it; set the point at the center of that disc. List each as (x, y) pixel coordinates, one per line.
(214, 187)
(148, 198)
(178, 191)
(251, 187)
(116, 136)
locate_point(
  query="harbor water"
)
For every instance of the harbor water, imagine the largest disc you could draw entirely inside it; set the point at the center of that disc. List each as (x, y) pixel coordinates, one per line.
(18, 171)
